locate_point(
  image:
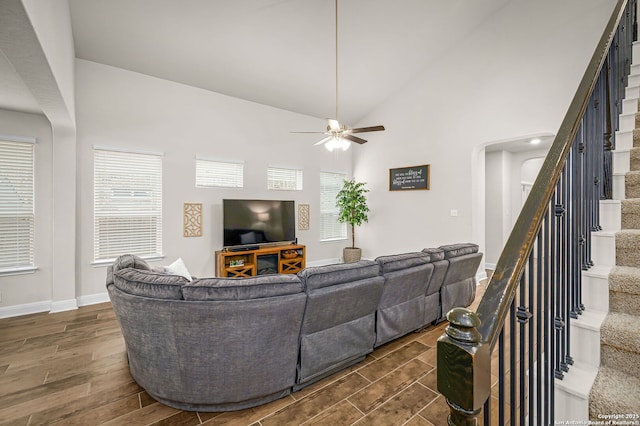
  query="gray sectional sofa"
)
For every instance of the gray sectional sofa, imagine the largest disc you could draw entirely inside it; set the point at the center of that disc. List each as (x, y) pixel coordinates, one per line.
(221, 344)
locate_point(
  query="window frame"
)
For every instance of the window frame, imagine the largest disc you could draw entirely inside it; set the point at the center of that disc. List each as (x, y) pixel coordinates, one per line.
(207, 167)
(22, 171)
(328, 199)
(292, 176)
(126, 179)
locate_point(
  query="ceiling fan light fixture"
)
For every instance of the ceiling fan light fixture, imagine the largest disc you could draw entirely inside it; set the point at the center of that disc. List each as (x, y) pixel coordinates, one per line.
(331, 144)
(337, 143)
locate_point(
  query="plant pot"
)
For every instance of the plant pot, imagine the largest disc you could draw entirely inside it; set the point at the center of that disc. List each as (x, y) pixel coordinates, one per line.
(350, 254)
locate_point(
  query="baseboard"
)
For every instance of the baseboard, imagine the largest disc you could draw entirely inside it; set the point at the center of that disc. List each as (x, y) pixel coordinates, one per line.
(25, 309)
(491, 266)
(63, 305)
(93, 299)
(53, 307)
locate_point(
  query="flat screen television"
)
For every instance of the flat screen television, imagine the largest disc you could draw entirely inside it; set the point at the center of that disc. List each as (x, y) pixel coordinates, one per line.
(254, 222)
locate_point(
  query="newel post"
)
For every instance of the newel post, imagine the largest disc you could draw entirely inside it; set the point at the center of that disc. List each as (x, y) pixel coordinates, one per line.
(464, 368)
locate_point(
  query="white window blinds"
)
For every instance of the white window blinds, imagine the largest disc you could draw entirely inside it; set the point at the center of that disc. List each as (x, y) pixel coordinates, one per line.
(212, 173)
(127, 193)
(16, 205)
(330, 185)
(279, 178)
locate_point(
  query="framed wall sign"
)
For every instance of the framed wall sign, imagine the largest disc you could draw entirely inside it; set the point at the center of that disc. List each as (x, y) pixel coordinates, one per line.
(409, 178)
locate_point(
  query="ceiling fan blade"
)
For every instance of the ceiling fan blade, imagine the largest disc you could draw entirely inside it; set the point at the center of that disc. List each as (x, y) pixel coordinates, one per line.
(333, 124)
(320, 142)
(319, 133)
(367, 129)
(353, 138)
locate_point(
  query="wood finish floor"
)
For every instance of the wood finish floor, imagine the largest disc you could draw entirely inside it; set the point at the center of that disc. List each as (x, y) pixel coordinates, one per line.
(70, 368)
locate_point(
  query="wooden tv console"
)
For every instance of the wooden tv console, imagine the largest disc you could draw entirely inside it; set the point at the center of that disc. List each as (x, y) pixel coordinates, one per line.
(281, 259)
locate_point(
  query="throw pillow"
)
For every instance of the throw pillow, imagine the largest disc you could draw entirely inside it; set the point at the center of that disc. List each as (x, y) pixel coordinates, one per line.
(178, 268)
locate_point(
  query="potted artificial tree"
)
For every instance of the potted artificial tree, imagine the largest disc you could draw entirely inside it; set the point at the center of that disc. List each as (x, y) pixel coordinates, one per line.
(353, 210)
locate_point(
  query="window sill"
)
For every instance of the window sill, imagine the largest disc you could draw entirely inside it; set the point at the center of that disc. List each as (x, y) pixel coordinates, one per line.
(107, 262)
(18, 271)
(332, 240)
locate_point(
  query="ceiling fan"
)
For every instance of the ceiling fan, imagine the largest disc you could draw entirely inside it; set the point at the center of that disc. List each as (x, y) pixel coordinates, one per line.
(339, 135)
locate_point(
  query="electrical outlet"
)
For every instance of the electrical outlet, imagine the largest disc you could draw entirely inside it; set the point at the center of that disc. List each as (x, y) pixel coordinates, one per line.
(454, 212)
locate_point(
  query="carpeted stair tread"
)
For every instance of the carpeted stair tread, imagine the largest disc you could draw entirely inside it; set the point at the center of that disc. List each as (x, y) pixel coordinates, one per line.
(625, 279)
(634, 158)
(628, 248)
(620, 343)
(614, 392)
(624, 303)
(630, 213)
(620, 359)
(632, 184)
(616, 389)
(620, 330)
(624, 290)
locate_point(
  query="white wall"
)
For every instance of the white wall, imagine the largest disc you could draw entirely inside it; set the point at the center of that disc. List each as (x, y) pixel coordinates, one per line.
(498, 203)
(504, 173)
(119, 108)
(34, 287)
(525, 170)
(515, 75)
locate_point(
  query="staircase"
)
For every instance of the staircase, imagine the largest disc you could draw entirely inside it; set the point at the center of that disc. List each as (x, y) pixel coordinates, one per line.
(605, 339)
(617, 386)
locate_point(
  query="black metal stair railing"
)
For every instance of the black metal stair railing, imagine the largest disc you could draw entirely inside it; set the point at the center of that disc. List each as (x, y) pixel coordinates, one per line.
(536, 288)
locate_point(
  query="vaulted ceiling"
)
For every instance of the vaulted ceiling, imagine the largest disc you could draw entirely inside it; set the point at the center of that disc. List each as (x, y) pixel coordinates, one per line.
(275, 52)
(14, 94)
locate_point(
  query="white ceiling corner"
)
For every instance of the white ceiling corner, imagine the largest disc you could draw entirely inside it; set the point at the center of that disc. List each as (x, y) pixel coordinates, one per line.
(14, 93)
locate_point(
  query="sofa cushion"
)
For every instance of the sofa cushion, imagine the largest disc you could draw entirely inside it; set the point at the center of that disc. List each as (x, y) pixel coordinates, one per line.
(435, 254)
(149, 284)
(398, 262)
(455, 250)
(242, 288)
(462, 267)
(316, 277)
(130, 261)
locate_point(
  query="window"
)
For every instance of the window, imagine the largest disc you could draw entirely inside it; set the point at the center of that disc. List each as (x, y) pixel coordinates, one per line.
(212, 173)
(279, 178)
(16, 206)
(127, 198)
(330, 228)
